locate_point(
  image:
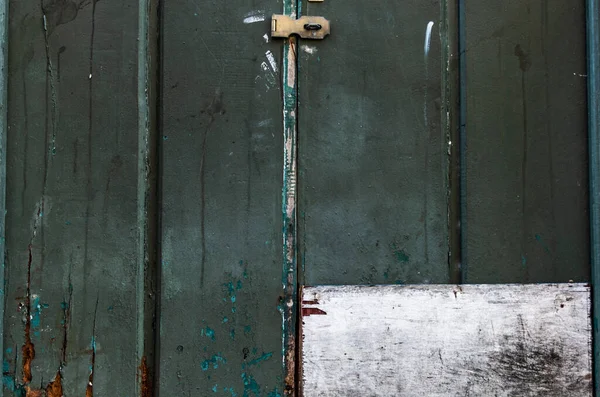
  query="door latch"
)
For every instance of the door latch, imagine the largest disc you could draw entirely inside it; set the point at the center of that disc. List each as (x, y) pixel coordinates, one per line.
(306, 27)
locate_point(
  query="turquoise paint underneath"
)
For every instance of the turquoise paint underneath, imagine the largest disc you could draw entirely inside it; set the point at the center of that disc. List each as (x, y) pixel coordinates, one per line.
(401, 256)
(208, 332)
(214, 361)
(36, 310)
(251, 386)
(540, 240)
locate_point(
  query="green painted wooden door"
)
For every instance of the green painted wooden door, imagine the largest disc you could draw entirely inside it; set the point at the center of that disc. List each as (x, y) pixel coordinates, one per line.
(174, 175)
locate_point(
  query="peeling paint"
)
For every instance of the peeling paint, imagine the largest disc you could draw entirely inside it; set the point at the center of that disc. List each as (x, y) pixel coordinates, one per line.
(289, 275)
(54, 388)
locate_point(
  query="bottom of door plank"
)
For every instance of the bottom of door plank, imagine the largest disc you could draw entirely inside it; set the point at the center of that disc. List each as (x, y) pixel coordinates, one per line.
(445, 340)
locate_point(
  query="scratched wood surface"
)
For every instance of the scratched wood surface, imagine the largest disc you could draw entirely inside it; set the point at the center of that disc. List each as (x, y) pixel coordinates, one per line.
(526, 164)
(470, 340)
(372, 148)
(74, 304)
(221, 241)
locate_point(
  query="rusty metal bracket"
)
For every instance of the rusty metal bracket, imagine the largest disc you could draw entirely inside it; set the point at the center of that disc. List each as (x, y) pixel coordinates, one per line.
(305, 27)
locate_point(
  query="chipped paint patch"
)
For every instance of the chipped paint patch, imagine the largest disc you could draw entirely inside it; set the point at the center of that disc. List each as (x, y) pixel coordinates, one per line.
(309, 49)
(254, 16)
(271, 60)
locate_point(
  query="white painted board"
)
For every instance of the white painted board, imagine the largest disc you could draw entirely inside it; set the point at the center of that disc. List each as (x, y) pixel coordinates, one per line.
(444, 340)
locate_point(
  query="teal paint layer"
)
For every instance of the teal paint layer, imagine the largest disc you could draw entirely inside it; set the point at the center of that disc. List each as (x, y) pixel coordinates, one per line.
(593, 80)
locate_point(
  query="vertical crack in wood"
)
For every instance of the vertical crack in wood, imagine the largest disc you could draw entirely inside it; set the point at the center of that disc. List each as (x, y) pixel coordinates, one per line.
(148, 270)
(450, 116)
(289, 305)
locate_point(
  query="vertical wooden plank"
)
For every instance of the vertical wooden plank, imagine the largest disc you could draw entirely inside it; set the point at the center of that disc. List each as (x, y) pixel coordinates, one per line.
(373, 152)
(593, 91)
(290, 227)
(75, 267)
(148, 270)
(3, 154)
(526, 142)
(221, 175)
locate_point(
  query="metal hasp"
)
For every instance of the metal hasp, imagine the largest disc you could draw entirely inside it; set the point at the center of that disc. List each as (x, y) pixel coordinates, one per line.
(305, 27)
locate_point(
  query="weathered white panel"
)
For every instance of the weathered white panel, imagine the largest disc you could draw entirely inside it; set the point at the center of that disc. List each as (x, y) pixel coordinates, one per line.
(470, 340)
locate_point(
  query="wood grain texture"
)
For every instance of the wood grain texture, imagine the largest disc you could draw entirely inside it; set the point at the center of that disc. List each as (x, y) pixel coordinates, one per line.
(526, 142)
(373, 154)
(470, 340)
(221, 238)
(74, 266)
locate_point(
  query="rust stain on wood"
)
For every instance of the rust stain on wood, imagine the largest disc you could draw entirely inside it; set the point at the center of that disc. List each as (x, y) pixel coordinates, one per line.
(28, 349)
(33, 392)
(290, 361)
(145, 379)
(309, 311)
(54, 388)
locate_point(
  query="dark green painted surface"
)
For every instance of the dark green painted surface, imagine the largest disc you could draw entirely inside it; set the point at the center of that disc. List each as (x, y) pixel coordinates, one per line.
(526, 147)
(222, 160)
(372, 149)
(72, 209)
(375, 119)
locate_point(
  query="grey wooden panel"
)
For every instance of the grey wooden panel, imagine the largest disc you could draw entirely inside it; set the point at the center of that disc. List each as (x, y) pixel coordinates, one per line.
(526, 142)
(222, 159)
(72, 211)
(373, 154)
(443, 340)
